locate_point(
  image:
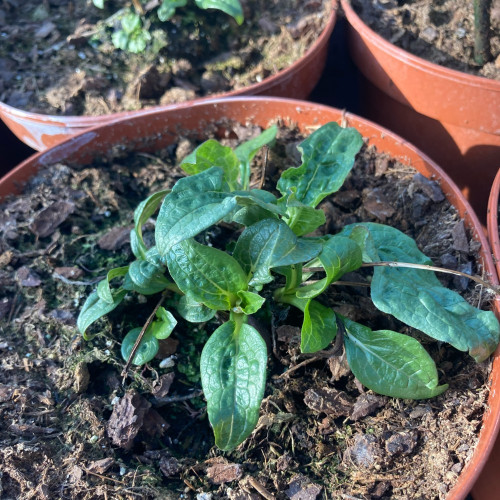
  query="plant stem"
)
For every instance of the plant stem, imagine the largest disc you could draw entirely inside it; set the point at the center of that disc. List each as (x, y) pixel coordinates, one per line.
(141, 335)
(482, 52)
(138, 7)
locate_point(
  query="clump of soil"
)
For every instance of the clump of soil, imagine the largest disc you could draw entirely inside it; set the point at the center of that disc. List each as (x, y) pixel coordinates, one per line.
(73, 430)
(441, 32)
(57, 57)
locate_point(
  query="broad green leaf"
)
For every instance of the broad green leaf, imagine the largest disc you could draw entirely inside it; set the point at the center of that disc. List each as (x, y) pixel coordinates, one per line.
(142, 213)
(233, 376)
(103, 288)
(153, 257)
(213, 154)
(417, 298)
(145, 278)
(131, 22)
(340, 255)
(94, 308)
(148, 348)
(209, 275)
(327, 157)
(362, 236)
(271, 243)
(231, 7)
(167, 8)
(246, 152)
(163, 326)
(390, 363)
(194, 204)
(255, 197)
(250, 302)
(193, 311)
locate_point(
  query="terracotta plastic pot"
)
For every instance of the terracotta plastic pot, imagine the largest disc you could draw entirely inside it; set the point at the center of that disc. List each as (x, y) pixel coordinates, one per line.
(452, 116)
(154, 129)
(41, 131)
(489, 479)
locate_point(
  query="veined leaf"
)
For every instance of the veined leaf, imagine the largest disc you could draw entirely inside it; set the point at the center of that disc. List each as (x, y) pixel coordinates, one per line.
(390, 363)
(194, 204)
(268, 244)
(246, 152)
(327, 157)
(233, 376)
(209, 275)
(94, 308)
(417, 298)
(304, 219)
(231, 7)
(145, 278)
(247, 216)
(340, 255)
(103, 288)
(193, 311)
(213, 154)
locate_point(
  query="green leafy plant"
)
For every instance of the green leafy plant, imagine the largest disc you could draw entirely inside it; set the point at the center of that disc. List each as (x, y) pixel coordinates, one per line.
(134, 35)
(273, 260)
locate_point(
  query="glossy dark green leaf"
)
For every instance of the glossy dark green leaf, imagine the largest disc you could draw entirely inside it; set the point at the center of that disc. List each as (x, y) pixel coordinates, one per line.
(94, 308)
(250, 302)
(146, 278)
(193, 311)
(391, 363)
(268, 244)
(213, 154)
(417, 298)
(195, 203)
(304, 219)
(339, 255)
(327, 157)
(246, 152)
(148, 348)
(209, 275)
(233, 376)
(103, 288)
(247, 216)
(231, 7)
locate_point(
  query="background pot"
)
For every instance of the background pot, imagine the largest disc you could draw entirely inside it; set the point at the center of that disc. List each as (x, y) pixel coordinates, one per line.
(153, 129)
(41, 131)
(453, 116)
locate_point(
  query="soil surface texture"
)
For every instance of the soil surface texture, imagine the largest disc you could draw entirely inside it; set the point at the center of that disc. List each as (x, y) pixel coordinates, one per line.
(72, 430)
(57, 57)
(440, 31)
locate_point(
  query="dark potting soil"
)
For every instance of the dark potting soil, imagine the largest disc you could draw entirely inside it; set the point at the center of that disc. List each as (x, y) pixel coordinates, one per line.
(439, 31)
(56, 57)
(71, 430)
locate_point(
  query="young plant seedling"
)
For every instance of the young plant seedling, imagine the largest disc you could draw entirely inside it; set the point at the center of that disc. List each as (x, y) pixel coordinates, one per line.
(273, 259)
(133, 36)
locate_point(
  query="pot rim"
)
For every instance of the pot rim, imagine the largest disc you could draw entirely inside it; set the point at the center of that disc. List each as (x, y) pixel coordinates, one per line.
(74, 144)
(413, 60)
(90, 121)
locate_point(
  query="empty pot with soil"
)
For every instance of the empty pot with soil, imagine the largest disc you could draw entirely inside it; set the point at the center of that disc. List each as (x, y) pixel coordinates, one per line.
(420, 80)
(74, 77)
(320, 430)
